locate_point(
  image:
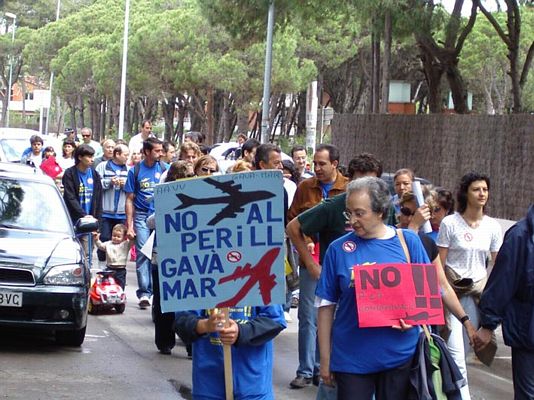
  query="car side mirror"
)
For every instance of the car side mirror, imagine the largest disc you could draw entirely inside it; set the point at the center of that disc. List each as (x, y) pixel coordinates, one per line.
(86, 224)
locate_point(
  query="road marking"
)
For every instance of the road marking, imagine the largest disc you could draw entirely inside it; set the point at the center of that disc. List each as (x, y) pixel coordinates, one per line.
(500, 378)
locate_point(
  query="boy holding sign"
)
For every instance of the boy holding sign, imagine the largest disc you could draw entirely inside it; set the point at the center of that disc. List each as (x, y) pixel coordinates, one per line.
(250, 331)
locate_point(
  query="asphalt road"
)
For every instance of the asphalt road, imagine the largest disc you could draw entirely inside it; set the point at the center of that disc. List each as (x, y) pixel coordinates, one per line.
(119, 360)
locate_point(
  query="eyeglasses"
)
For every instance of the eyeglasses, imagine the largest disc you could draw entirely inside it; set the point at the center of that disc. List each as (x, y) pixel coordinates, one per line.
(407, 212)
(210, 170)
(86, 135)
(349, 215)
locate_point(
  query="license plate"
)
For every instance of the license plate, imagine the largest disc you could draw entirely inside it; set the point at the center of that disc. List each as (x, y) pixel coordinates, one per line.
(10, 299)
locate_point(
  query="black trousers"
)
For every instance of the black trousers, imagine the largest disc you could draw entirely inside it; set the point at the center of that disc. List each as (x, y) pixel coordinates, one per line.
(523, 373)
(392, 384)
(163, 322)
(119, 275)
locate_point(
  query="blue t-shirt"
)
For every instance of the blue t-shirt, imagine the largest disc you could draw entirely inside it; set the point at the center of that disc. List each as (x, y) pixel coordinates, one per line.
(325, 187)
(143, 186)
(364, 350)
(252, 366)
(433, 235)
(86, 189)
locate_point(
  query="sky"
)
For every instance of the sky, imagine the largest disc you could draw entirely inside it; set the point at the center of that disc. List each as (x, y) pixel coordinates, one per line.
(488, 4)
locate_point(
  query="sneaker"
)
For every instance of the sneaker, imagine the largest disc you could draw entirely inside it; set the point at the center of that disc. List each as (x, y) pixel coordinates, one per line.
(300, 382)
(287, 317)
(144, 302)
(294, 302)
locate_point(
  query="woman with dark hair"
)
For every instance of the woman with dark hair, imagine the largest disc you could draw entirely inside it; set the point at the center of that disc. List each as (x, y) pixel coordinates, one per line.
(67, 157)
(290, 172)
(465, 241)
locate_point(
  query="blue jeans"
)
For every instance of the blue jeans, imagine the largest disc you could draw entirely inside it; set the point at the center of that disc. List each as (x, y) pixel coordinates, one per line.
(142, 263)
(307, 313)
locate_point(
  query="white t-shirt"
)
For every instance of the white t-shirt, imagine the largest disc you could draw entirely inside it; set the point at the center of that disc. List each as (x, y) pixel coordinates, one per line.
(291, 188)
(36, 159)
(136, 143)
(469, 247)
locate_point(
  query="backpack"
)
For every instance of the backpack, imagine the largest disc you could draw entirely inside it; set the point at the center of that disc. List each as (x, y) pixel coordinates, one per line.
(137, 168)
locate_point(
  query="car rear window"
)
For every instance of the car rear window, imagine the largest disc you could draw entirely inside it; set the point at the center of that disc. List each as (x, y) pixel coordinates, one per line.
(32, 206)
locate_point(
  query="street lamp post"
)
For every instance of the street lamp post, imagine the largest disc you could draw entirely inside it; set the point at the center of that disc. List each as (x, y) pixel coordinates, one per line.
(58, 8)
(8, 91)
(124, 69)
(267, 75)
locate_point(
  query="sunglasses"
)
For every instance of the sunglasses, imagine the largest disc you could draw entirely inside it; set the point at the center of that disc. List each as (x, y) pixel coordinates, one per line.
(407, 212)
(206, 169)
(86, 135)
(435, 210)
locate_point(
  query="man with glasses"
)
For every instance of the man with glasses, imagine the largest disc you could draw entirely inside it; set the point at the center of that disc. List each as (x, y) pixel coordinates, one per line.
(136, 142)
(300, 160)
(87, 137)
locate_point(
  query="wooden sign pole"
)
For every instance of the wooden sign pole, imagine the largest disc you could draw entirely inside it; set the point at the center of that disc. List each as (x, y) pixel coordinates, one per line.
(227, 351)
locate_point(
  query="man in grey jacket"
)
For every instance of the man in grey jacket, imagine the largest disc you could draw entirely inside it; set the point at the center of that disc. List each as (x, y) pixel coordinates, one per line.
(113, 174)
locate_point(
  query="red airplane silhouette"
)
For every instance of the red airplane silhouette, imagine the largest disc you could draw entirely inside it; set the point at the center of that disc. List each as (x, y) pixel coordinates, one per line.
(261, 273)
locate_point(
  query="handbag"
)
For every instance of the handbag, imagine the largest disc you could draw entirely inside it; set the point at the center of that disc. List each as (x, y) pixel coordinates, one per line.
(460, 285)
(291, 268)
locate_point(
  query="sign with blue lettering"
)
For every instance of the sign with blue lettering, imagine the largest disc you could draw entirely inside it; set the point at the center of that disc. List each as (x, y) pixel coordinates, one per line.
(220, 241)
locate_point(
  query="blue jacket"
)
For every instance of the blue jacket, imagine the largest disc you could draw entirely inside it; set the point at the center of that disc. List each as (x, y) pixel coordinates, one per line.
(113, 201)
(509, 294)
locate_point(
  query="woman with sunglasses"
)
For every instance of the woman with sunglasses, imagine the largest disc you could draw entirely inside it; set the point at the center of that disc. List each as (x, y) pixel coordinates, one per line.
(441, 204)
(205, 166)
(465, 241)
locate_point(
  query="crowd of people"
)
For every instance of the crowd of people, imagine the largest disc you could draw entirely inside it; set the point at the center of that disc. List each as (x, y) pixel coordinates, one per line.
(327, 206)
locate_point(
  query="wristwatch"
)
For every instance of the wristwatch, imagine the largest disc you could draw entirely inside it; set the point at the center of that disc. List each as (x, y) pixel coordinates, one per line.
(464, 318)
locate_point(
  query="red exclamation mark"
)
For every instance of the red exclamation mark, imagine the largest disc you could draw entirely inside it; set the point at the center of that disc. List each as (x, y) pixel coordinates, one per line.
(432, 279)
(418, 275)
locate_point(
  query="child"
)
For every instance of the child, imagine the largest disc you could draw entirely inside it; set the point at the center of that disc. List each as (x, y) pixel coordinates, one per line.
(116, 252)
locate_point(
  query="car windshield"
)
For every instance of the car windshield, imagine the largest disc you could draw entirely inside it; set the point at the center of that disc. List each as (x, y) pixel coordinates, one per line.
(13, 148)
(33, 206)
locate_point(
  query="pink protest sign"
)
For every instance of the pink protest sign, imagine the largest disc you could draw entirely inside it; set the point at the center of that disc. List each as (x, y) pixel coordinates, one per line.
(386, 293)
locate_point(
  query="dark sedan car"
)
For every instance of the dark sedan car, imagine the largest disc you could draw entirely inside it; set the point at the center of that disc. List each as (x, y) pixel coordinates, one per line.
(44, 281)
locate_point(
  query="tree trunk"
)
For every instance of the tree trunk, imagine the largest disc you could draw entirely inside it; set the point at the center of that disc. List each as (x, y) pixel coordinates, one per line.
(81, 109)
(375, 72)
(167, 109)
(103, 114)
(242, 121)
(384, 102)
(458, 92)
(433, 74)
(72, 109)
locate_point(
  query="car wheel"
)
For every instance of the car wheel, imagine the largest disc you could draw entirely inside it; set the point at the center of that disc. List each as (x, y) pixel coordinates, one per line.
(73, 338)
(120, 308)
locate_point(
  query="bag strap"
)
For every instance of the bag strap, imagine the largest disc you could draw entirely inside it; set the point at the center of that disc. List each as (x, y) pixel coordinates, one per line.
(407, 254)
(400, 234)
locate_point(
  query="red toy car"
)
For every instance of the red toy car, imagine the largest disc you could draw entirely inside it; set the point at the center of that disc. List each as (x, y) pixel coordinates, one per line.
(106, 294)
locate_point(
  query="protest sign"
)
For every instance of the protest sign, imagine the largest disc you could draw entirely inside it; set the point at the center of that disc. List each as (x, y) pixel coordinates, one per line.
(386, 293)
(220, 241)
